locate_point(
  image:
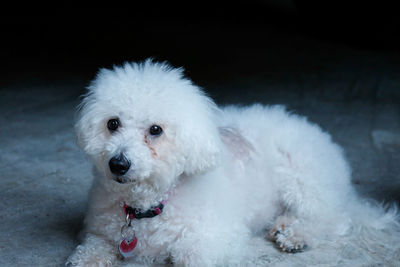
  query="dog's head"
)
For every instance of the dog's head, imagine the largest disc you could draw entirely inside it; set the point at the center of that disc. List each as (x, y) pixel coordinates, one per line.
(146, 123)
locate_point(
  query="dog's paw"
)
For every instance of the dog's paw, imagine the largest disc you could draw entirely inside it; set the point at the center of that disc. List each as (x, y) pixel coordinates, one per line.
(286, 234)
(89, 262)
(83, 257)
(286, 240)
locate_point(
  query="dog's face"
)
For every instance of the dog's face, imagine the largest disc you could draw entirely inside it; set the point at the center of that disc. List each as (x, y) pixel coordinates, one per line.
(146, 124)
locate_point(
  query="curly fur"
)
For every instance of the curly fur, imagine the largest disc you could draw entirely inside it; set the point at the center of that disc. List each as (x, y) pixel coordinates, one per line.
(226, 173)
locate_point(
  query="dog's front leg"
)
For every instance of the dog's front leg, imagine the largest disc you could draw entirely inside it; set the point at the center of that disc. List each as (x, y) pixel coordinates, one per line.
(94, 251)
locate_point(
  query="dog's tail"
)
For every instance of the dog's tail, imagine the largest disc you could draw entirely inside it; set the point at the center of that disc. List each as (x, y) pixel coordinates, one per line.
(373, 233)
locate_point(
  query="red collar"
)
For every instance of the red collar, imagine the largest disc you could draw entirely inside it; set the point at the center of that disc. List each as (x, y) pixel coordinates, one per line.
(135, 213)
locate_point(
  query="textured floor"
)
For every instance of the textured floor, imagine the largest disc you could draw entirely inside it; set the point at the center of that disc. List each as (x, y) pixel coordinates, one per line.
(44, 178)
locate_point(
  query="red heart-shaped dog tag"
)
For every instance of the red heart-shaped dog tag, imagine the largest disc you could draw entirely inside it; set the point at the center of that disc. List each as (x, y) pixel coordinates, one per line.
(127, 246)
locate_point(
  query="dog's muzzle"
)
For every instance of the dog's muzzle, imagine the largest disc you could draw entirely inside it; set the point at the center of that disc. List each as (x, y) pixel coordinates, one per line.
(119, 165)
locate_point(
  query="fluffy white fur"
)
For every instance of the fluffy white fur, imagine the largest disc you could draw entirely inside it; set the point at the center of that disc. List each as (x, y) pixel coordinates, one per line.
(226, 174)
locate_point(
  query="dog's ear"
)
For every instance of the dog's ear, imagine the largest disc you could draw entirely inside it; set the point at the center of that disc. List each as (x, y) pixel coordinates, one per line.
(88, 126)
(199, 139)
(83, 125)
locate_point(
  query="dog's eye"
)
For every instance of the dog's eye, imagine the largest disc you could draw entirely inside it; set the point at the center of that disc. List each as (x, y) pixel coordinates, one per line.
(155, 130)
(113, 124)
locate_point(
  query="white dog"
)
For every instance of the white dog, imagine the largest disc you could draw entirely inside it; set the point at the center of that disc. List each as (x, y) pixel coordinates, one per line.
(179, 180)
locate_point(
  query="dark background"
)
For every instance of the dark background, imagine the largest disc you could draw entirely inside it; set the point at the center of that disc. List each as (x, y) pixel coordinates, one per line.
(211, 40)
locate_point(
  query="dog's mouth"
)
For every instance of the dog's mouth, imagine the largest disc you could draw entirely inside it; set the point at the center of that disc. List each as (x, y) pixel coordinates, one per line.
(122, 180)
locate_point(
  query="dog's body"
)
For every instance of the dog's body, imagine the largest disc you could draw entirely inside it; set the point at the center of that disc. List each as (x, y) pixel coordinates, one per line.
(223, 174)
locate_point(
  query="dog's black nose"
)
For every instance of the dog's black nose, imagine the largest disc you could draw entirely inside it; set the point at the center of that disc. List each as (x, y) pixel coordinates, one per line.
(119, 165)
